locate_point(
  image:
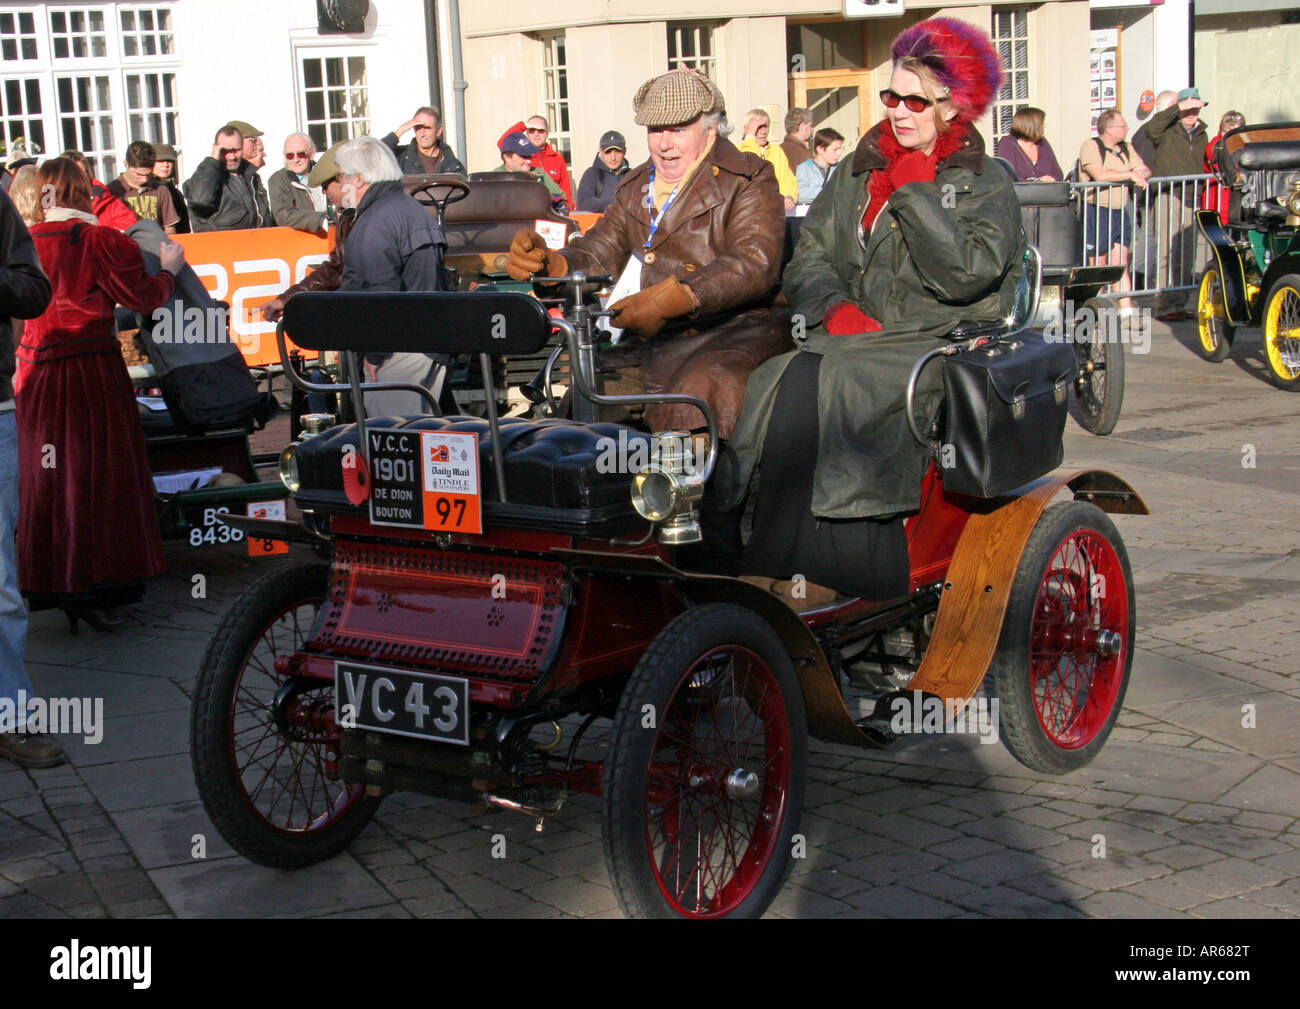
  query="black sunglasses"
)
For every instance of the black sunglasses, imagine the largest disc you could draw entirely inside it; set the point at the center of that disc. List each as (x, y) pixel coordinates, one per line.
(914, 103)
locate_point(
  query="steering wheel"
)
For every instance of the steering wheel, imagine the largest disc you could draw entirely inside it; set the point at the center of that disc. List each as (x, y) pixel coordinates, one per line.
(456, 189)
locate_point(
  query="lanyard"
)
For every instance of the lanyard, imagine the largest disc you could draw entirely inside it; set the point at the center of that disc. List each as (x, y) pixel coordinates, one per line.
(656, 218)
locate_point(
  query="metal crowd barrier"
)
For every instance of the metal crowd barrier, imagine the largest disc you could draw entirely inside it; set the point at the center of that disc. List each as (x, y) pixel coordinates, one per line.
(1161, 244)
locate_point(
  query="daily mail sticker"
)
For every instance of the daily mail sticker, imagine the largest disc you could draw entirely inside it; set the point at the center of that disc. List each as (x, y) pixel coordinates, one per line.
(452, 498)
(552, 231)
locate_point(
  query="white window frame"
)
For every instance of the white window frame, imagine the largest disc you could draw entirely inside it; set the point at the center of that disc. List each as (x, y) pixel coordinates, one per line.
(698, 30)
(18, 35)
(49, 69)
(555, 93)
(139, 33)
(1003, 109)
(321, 49)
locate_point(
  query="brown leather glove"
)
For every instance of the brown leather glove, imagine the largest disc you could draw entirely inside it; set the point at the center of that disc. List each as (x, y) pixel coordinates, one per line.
(529, 256)
(646, 311)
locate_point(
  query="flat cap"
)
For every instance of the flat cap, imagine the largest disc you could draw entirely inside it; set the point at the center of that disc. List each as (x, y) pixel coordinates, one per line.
(326, 167)
(164, 152)
(245, 129)
(678, 96)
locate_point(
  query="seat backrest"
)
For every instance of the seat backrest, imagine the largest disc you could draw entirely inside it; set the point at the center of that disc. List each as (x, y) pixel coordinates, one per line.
(421, 322)
(1050, 221)
(498, 205)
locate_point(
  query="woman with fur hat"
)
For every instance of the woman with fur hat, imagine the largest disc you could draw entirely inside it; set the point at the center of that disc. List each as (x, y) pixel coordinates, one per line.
(920, 231)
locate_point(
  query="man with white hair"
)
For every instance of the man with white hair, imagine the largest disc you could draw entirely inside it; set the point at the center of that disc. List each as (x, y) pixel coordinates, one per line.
(294, 202)
(394, 245)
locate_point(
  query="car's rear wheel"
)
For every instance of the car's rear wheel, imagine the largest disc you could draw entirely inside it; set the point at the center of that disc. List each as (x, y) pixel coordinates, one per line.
(704, 777)
(264, 744)
(1098, 395)
(1282, 332)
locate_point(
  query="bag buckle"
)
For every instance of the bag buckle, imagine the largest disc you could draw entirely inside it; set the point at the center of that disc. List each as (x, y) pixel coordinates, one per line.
(1059, 391)
(1018, 406)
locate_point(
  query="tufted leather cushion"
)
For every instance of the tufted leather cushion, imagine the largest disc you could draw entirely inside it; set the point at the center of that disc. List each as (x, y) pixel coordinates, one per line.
(554, 479)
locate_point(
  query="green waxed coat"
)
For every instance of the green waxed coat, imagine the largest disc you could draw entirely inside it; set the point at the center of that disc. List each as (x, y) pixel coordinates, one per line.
(938, 253)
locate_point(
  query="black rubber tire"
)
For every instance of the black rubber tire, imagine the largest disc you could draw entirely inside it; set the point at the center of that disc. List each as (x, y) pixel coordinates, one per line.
(1283, 300)
(1097, 396)
(274, 604)
(1023, 638)
(660, 677)
(1220, 332)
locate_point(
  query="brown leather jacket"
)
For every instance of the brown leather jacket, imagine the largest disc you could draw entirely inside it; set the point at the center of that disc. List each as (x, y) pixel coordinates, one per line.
(329, 273)
(722, 237)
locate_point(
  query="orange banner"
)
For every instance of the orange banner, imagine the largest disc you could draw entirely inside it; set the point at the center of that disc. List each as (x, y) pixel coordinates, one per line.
(249, 268)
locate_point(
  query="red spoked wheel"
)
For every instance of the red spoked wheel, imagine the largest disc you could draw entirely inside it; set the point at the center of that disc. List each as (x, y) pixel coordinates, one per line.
(264, 743)
(704, 779)
(1063, 661)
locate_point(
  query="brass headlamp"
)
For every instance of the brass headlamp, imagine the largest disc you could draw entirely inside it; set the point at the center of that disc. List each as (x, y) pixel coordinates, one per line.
(667, 490)
(313, 424)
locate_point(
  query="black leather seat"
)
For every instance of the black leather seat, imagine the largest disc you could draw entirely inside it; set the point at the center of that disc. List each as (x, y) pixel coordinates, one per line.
(560, 475)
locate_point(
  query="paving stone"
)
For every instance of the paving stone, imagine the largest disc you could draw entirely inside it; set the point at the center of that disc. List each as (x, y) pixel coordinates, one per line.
(1184, 856)
(1123, 905)
(64, 890)
(1229, 877)
(1230, 839)
(1051, 886)
(576, 896)
(1237, 908)
(940, 883)
(948, 816)
(523, 909)
(435, 905)
(1040, 816)
(29, 869)
(1285, 896)
(1008, 902)
(900, 902)
(1119, 836)
(1286, 862)
(995, 867)
(894, 867)
(1263, 821)
(1166, 891)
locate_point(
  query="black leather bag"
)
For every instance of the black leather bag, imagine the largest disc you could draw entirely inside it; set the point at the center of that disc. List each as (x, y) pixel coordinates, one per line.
(1005, 414)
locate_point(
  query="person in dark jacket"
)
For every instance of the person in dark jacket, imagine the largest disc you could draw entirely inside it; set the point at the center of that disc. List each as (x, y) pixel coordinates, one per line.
(24, 294)
(918, 232)
(225, 192)
(427, 153)
(394, 245)
(596, 188)
(1178, 136)
(164, 169)
(295, 203)
(329, 274)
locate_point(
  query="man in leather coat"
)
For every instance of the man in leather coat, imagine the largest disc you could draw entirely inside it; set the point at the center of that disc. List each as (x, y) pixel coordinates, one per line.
(704, 223)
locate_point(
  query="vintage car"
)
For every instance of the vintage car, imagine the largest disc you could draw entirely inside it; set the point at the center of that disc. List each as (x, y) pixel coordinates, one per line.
(513, 612)
(1254, 279)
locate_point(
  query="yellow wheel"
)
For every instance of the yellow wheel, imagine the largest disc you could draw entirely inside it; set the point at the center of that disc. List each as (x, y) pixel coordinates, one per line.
(1282, 332)
(1212, 324)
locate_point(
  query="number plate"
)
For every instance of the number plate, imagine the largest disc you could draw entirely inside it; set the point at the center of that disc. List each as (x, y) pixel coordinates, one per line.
(425, 480)
(401, 702)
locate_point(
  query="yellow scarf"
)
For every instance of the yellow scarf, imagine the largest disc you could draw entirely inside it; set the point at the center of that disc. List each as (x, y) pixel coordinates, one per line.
(663, 188)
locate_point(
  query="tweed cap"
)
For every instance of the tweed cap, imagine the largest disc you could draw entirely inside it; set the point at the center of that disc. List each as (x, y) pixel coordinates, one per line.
(164, 152)
(679, 96)
(246, 130)
(326, 167)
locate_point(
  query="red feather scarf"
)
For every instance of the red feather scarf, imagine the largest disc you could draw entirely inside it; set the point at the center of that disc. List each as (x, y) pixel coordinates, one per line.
(903, 166)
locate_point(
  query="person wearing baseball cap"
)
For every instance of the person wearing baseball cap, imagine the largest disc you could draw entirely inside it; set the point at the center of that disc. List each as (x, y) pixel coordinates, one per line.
(695, 236)
(596, 188)
(516, 156)
(164, 168)
(1178, 136)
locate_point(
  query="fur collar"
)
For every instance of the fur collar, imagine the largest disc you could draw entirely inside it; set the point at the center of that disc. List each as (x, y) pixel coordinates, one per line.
(960, 146)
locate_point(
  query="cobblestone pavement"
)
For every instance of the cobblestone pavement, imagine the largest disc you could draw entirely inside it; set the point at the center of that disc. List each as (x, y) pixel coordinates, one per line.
(1198, 814)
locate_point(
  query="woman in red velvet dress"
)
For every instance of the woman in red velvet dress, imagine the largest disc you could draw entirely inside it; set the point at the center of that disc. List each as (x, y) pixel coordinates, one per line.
(87, 529)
